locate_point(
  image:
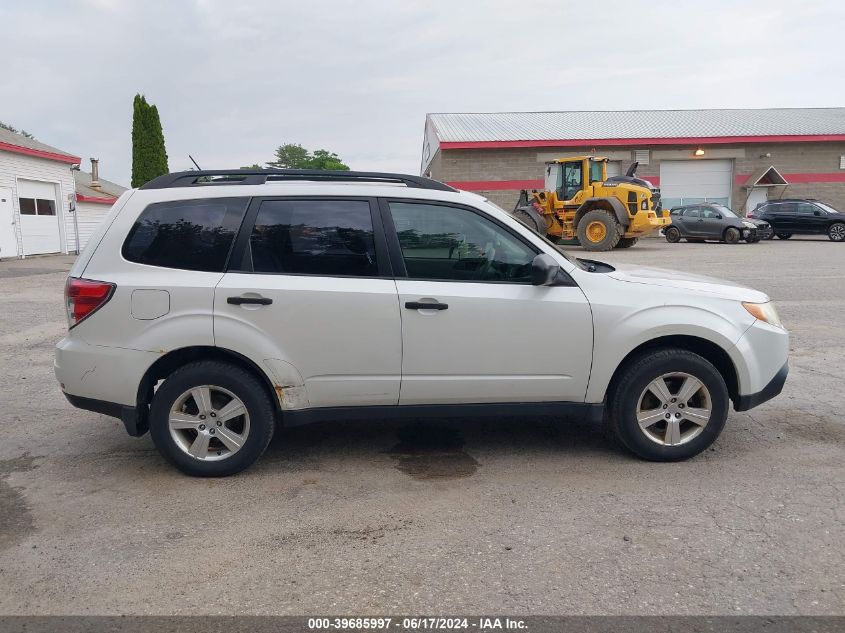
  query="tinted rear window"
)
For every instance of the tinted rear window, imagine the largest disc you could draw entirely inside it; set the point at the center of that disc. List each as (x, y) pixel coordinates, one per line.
(314, 237)
(185, 234)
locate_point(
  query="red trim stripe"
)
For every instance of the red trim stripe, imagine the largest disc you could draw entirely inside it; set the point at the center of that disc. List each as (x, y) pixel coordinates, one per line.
(62, 158)
(95, 199)
(739, 179)
(610, 142)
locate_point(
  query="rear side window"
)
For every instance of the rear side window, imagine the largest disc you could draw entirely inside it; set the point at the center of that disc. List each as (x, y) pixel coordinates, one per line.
(185, 234)
(692, 212)
(314, 237)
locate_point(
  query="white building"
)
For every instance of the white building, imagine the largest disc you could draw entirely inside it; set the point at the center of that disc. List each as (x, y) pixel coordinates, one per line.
(42, 208)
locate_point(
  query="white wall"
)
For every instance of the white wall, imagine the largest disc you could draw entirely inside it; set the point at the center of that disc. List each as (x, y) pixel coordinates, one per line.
(13, 166)
(88, 217)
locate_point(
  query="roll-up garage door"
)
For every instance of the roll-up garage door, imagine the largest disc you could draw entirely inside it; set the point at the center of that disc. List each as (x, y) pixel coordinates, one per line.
(692, 181)
(39, 217)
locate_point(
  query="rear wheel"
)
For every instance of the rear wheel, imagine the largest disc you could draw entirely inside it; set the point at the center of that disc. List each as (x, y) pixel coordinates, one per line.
(784, 236)
(668, 405)
(211, 419)
(731, 235)
(836, 232)
(626, 242)
(598, 231)
(673, 235)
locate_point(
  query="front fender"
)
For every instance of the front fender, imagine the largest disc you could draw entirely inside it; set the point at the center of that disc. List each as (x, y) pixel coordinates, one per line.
(618, 333)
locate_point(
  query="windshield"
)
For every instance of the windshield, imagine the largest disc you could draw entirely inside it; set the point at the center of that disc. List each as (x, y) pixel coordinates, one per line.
(826, 207)
(726, 213)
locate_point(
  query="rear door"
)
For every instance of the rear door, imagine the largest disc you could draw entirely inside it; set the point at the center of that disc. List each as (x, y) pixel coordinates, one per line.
(692, 222)
(474, 329)
(309, 287)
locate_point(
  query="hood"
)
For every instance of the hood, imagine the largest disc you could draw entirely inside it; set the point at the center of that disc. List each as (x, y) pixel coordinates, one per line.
(687, 282)
(756, 222)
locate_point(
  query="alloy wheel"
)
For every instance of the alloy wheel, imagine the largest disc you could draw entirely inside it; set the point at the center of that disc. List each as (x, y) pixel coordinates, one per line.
(674, 408)
(837, 232)
(209, 423)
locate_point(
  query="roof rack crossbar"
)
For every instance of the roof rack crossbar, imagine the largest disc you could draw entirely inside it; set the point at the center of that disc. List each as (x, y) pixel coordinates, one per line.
(262, 176)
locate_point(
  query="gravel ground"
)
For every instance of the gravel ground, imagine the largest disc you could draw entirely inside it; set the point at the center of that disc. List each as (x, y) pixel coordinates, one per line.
(520, 516)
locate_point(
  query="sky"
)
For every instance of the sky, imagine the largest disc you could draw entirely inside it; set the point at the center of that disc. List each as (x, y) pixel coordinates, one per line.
(233, 79)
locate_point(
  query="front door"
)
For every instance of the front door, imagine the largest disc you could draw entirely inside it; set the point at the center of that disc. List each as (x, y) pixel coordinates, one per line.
(756, 197)
(474, 329)
(711, 223)
(8, 241)
(571, 180)
(692, 222)
(311, 290)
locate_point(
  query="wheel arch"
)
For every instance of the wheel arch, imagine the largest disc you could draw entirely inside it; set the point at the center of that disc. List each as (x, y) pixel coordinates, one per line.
(173, 360)
(708, 350)
(606, 204)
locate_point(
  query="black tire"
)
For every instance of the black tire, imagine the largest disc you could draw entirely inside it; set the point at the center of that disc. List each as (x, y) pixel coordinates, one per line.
(626, 242)
(630, 384)
(784, 236)
(611, 230)
(527, 219)
(836, 232)
(673, 235)
(239, 382)
(731, 235)
(753, 240)
(770, 236)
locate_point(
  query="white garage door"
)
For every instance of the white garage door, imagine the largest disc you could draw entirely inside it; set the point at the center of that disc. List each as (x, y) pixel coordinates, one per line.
(39, 214)
(691, 181)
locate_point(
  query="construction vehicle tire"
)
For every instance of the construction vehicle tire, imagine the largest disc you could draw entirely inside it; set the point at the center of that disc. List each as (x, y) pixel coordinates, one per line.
(528, 220)
(598, 230)
(627, 242)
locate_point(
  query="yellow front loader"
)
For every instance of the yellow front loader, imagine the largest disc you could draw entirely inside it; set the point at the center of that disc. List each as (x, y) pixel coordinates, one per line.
(581, 202)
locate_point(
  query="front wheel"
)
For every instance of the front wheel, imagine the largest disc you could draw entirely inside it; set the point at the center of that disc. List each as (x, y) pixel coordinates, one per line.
(784, 236)
(836, 232)
(731, 235)
(668, 405)
(211, 419)
(673, 235)
(626, 242)
(598, 231)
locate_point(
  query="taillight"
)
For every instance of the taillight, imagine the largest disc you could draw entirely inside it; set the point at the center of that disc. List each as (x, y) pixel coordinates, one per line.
(83, 297)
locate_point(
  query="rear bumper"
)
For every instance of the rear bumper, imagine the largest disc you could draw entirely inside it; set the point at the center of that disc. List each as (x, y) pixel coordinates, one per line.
(136, 425)
(775, 386)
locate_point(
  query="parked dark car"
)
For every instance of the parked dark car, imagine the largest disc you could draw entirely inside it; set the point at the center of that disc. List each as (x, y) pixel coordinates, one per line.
(801, 217)
(711, 221)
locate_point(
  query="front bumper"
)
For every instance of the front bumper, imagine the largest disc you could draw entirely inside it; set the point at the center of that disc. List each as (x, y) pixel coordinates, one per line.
(775, 386)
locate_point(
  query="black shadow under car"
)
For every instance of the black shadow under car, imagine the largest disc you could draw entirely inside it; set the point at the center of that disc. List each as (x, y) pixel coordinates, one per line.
(711, 221)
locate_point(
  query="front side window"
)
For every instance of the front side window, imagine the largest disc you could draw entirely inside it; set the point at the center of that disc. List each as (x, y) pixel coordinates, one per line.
(314, 237)
(37, 206)
(595, 171)
(805, 208)
(570, 180)
(451, 243)
(185, 234)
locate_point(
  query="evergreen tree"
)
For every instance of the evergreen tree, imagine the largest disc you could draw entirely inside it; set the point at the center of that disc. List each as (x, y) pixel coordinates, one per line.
(149, 156)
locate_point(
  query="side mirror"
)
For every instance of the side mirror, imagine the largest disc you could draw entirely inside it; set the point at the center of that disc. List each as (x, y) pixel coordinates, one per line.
(718, 216)
(544, 270)
(817, 212)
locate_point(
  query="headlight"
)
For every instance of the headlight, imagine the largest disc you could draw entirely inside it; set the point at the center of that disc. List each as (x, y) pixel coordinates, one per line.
(749, 225)
(763, 312)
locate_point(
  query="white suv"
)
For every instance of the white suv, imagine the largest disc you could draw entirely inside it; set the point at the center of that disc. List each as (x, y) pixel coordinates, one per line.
(211, 306)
